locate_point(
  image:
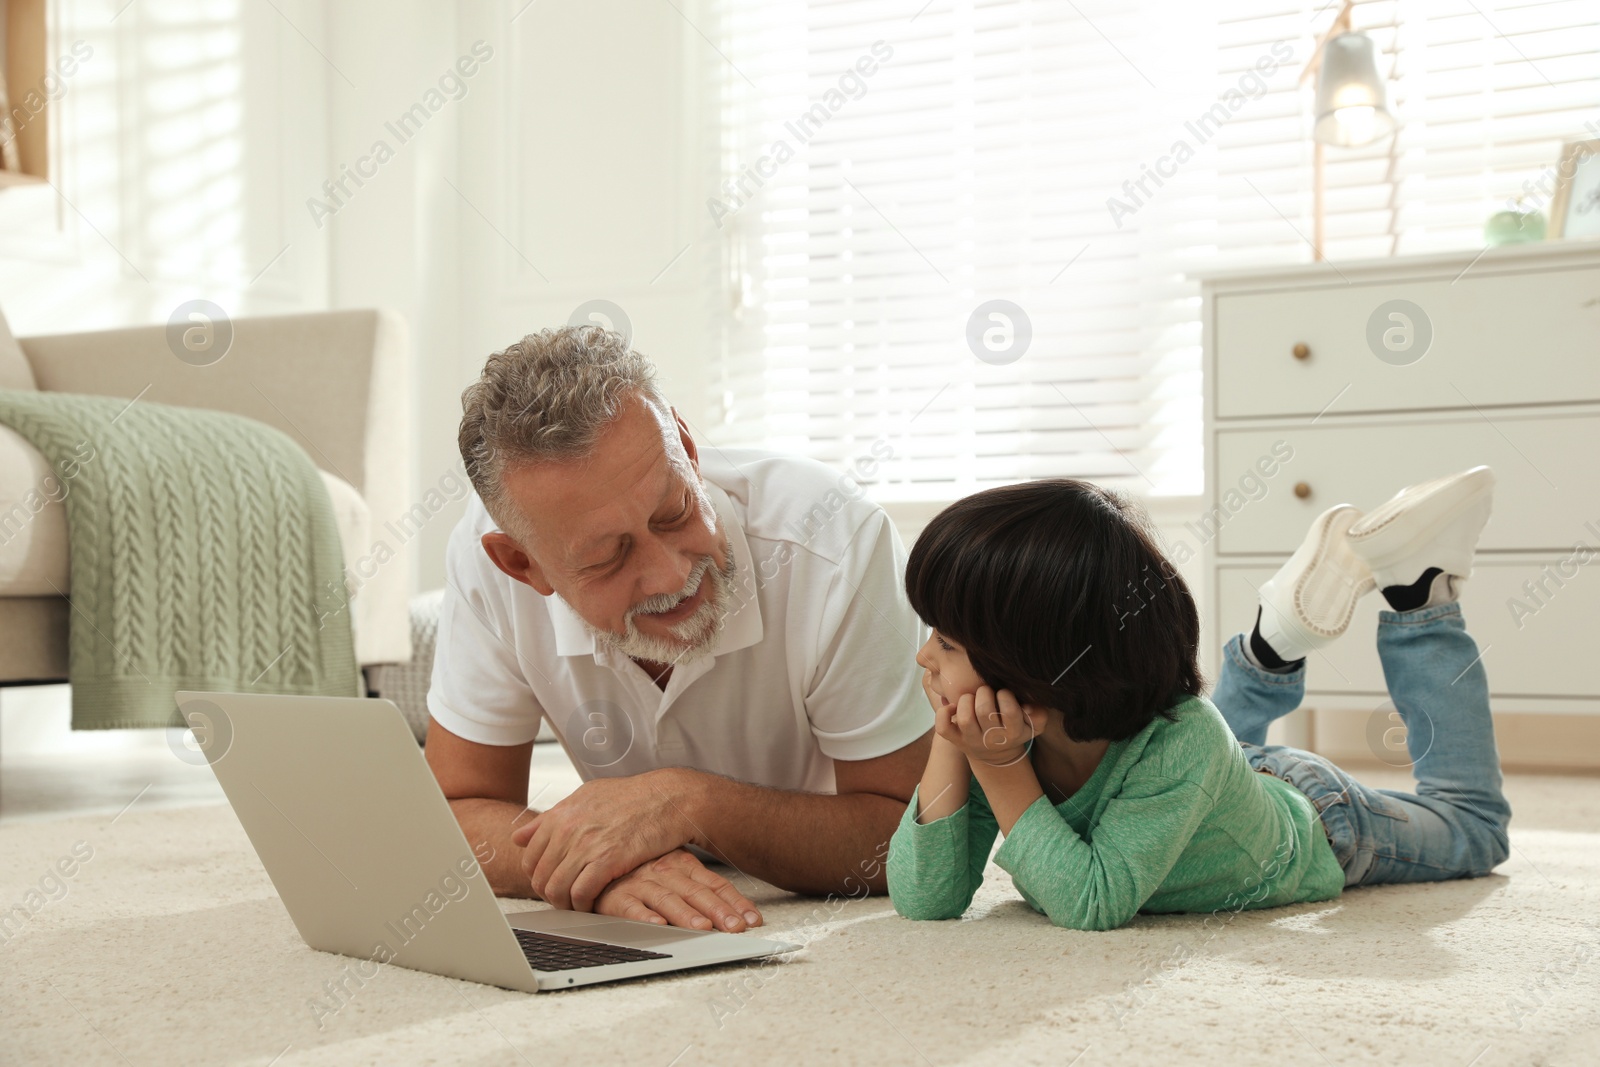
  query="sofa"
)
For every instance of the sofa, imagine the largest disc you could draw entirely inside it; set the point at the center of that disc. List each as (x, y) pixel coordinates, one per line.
(334, 381)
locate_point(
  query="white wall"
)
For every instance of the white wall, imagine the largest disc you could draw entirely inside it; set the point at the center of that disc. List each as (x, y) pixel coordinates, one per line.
(576, 183)
(559, 176)
(394, 235)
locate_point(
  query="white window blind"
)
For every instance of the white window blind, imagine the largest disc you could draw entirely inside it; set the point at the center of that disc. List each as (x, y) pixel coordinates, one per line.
(1078, 159)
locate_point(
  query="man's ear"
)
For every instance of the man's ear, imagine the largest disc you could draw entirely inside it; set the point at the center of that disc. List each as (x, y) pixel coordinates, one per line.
(510, 558)
(687, 440)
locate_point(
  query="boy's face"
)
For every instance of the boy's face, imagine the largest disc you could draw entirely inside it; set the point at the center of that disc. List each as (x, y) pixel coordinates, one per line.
(950, 674)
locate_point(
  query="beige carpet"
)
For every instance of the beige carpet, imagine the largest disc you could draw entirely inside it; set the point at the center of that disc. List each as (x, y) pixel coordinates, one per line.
(169, 946)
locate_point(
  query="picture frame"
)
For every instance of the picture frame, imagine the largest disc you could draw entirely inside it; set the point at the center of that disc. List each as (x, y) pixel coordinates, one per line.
(1575, 208)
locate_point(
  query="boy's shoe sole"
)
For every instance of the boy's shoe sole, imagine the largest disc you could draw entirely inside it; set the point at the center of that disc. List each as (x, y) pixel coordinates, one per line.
(1312, 598)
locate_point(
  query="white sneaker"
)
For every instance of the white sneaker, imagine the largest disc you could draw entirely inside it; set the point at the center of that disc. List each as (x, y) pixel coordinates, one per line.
(1434, 524)
(1311, 599)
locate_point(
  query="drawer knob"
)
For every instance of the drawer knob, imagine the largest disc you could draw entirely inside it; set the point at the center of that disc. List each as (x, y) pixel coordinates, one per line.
(1302, 351)
(1302, 490)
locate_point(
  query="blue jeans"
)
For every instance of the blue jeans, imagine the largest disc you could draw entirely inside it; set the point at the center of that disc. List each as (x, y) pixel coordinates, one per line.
(1454, 826)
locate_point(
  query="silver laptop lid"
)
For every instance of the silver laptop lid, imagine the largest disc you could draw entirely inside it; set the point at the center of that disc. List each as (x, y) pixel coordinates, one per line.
(355, 834)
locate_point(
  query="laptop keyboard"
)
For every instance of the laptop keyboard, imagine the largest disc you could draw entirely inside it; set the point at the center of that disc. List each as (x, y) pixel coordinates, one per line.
(550, 952)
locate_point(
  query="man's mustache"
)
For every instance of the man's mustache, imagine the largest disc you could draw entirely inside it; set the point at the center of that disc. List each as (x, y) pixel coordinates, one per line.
(667, 601)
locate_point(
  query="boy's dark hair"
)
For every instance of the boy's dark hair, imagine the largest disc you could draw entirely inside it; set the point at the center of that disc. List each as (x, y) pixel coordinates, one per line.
(1058, 591)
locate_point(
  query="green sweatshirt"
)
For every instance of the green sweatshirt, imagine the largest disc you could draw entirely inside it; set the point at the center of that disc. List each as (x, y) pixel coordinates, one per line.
(1173, 820)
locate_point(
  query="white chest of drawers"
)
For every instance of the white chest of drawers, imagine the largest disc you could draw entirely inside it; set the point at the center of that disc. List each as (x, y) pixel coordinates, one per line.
(1331, 383)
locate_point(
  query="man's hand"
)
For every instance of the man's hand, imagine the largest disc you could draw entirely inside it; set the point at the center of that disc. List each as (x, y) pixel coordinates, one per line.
(606, 828)
(988, 727)
(678, 889)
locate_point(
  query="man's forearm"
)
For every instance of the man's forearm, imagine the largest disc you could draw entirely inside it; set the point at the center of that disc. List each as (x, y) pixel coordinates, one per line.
(490, 822)
(803, 842)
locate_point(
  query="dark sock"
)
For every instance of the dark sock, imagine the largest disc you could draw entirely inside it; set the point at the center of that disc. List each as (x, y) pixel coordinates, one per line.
(1263, 652)
(1413, 596)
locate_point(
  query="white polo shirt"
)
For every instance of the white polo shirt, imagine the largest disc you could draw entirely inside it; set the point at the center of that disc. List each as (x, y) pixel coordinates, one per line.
(814, 662)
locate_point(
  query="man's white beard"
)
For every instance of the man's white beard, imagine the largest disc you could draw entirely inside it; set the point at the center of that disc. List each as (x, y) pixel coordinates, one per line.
(695, 635)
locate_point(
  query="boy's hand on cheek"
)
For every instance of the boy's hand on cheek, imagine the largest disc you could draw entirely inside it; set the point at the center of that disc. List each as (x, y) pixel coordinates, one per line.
(989, 727)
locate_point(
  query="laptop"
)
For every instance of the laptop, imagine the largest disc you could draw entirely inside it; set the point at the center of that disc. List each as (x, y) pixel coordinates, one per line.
(370, 862)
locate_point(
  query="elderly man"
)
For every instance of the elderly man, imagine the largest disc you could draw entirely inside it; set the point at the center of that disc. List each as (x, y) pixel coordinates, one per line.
(719, 640)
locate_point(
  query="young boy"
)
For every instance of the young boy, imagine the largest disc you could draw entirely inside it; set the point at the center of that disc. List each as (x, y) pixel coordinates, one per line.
(1074, 726)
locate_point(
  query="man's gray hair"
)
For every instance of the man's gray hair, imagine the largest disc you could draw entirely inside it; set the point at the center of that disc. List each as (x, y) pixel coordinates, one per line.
(547, 397)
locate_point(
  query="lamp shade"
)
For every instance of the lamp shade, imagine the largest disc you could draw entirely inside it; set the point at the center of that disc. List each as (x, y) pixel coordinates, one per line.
(1352, 99)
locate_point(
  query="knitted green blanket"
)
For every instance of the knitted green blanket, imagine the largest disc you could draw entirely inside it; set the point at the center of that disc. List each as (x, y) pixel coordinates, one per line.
(204, 556)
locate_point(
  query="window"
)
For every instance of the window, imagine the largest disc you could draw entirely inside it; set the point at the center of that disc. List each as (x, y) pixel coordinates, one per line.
(881, 173)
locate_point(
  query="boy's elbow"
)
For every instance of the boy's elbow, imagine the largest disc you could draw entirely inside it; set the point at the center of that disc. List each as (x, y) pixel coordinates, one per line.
(1095, 922)
(926, 914)
(920, 907)
(1075, 916)
(921, 894)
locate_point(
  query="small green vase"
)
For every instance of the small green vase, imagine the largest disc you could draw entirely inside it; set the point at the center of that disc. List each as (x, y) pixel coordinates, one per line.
(1513, 227)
